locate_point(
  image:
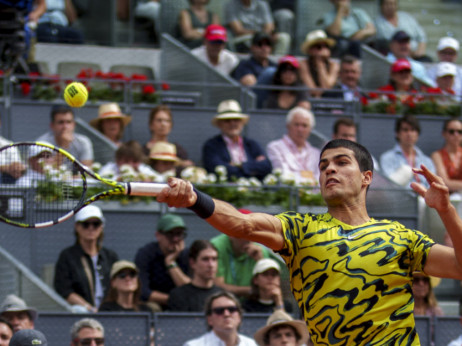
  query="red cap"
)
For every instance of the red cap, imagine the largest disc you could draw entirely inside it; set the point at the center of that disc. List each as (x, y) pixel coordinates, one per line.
(401, 65)
(215, 32)
(289, 59)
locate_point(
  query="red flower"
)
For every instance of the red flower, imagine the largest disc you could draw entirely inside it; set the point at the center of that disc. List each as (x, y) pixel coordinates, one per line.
(54, 78)
(1, 72)
(100, 74)
(148, 89)
(165, 86)
(25, 88)
(139, 77)
(364, 101)
(373, 95)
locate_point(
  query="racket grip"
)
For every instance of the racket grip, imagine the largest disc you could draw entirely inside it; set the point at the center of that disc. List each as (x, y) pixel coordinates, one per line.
(144, 189)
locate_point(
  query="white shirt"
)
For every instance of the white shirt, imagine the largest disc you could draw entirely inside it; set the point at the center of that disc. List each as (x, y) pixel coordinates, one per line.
(456, 342)
(211, 339)
(227, 61)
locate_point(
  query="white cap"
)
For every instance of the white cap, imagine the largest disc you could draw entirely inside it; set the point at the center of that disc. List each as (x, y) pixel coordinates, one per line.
(264, 264)
(90, 211)
(448, 42)
(446, 69)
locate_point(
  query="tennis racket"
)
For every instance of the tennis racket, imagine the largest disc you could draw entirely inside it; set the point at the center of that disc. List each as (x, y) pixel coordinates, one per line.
(42, 185)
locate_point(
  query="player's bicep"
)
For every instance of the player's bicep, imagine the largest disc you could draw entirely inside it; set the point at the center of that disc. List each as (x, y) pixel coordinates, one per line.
(267, 230)
(442, 262)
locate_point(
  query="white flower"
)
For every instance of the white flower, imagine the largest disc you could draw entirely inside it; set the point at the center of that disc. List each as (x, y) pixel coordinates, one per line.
(242, 189)
(127, 170)
(277, 172)
(288, 178)
(222, 179)
(210, 179)
(221, 170)
(67, 176)
(187, 173)
(254, 182)
(243, 182)
(95, 167)
(270, 179)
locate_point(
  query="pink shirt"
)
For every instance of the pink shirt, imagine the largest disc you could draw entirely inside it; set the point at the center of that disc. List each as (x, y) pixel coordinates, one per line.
(236, 150)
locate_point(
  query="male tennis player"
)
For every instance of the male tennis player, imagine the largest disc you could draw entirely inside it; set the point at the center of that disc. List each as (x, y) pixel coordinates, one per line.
(351, 274)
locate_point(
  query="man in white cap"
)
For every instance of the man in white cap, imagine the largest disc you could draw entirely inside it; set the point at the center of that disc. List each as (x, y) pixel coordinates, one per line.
(447, 51)
(445, 76)
(242, 157)
(16, 311)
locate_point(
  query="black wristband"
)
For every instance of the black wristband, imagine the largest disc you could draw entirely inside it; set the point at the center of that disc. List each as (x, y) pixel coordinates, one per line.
(204, 206)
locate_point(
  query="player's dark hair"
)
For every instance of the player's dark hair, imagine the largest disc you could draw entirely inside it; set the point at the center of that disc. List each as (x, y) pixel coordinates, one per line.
(60, 109)
(362, 155)
(198, 246)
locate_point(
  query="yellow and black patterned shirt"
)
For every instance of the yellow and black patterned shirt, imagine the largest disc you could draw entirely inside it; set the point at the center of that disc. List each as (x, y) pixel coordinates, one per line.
(353, 283)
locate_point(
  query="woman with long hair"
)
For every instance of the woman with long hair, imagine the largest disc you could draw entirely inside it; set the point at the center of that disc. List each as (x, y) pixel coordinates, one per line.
(425, 303)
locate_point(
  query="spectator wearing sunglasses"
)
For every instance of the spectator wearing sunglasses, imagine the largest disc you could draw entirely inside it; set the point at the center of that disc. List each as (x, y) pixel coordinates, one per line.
(163, 264)
(425, 303)
(87, 332)
(125, 291)
(223, 313)
(82, 274)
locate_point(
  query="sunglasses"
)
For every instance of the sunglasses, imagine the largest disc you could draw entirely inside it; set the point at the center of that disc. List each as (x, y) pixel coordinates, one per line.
(453, 131)
(426, 280)
(122, 275)
(264, 43)
(88, 341)
(320, 46)
(87, 224)
(217, 42)
(221, 311)
(175, 234)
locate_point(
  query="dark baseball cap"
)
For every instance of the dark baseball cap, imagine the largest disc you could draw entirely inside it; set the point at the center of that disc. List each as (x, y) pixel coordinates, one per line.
(28, 337)
(400, 36)
(169, 222)
(261, 36)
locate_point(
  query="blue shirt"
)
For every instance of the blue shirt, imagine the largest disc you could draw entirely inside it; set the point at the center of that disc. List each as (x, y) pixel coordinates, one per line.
(351, 24)
(250, 66)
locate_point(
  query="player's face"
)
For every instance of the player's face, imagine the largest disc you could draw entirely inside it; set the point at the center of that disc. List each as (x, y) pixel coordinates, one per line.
(5, 334)
(224, 320)
(161, 124)
(231, 128)
(206, 264)
(19, 320)
(346, 132)
(299, 129)
(282, 336)
(407, 135)
(63, 122)
(340, 179)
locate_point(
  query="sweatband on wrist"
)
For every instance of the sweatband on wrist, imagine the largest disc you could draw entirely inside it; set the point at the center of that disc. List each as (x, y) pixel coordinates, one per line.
(204, 206)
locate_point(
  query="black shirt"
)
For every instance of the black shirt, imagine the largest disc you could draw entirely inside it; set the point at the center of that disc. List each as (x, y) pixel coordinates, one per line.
(190, 298)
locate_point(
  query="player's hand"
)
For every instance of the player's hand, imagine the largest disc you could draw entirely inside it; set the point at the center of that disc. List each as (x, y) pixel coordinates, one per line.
(437, 196)
(179, 194)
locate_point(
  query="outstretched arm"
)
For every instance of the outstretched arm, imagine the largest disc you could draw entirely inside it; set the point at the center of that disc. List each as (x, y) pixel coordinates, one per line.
(442, 261)
(259, 227)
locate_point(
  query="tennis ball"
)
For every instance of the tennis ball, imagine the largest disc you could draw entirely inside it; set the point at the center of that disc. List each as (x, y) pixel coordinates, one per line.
(76, 94)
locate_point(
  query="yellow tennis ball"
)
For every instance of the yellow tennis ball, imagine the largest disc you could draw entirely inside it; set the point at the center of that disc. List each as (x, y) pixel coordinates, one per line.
(76, 94)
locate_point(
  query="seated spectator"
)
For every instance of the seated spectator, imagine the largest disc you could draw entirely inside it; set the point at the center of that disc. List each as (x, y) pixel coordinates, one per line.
(391, 20)
(287, 75)
(400, 48)
(87, 331)
(246, 17)
(160, 126)
(111, 122)
(445, 77)
(38, 158)
(292, 153)
(397, 163)
(28, 337)
(163, 160)
(129, 154)
(448, 160)
(223, 314)
(347, 88)
(447, 51)
(55, 25)
(350, 27)
(318, 70)
(203, 262)
(282, 329)
(193, 21)
(150, 10)
(125, 291)
(6, 332)
(266, 294)
(62, 135)
(248, 70)
(163, 265)
(425, 303)
(82, 271)
(213, 50)
(11, 167)
(17, 313)
(242, 157)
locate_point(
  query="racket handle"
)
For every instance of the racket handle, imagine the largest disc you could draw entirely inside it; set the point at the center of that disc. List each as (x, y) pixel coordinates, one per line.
(144, 189)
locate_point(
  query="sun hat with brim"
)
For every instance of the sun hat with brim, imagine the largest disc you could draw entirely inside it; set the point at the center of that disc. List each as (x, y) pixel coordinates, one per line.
(315, 37)
(13, 303)
(110, 111)
(120, 265)
(26, 337)
(229, 109)
(163, 151)
(281, 318)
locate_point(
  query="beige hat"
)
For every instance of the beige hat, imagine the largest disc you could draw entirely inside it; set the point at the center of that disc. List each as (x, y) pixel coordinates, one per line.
(14, 303)
(163, 151)
(278, 318)
(110, 111)
(122, 264)
(229, 109)
(315, 37)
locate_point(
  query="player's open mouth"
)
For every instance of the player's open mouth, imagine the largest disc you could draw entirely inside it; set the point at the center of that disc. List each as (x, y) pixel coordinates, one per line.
(331, 181)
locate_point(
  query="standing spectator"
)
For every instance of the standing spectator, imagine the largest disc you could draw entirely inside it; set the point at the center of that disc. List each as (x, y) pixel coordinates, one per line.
(125, 291)
(6, 332)
(397, 163)
(266, 294)
(447, 51)
(246, 17)
(318, 70)
(163, 265)
(17, 313)
(400, 48)
(87, 331)
(391, 20)
(111, 122)
(282, 329)
(28, 337)
(242, 157)
(82, 274)
(62, 135)
(292, 153)
(248, 70)
(224, 316)
(349, 26)
(213, 50)
(425, 303)
(203, 262)
(193, 21)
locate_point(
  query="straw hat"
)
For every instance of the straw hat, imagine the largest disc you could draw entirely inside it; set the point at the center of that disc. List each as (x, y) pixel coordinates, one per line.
(110, 111)
(278, 318)
(163, 151)
(315, 37)
(229, 109)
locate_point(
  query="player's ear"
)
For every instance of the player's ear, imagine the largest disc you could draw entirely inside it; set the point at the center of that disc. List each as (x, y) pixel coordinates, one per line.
(367, 177)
